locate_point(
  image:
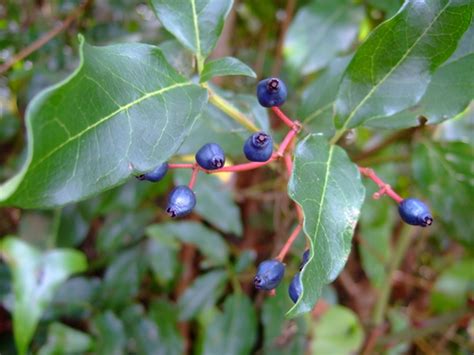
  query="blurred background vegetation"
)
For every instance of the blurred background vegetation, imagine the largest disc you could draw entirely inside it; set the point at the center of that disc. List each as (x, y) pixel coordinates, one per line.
(158, 287)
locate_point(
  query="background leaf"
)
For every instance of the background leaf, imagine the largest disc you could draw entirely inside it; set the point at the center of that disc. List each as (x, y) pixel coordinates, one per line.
(122, 93)
(35, 278)
(234, 331)
(444, 173)
(225, 66)
(196, 24)
(110, 334)
(320, 31)
(65, 340)
(393, 68)
(326, 184)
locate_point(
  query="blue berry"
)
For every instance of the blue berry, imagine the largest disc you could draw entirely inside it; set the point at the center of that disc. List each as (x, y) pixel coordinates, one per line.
(271, 92)
(210, 156)
(295, 288)
(258, 147)
(305, 259)
(269, 275)
(415, 212)
(181, 201)
(156, 174)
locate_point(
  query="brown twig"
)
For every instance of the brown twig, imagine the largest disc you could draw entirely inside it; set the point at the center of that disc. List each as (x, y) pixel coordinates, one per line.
(290, 8)
(40, 42)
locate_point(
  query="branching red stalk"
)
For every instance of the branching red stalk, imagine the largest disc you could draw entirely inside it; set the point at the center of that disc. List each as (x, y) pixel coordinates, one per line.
(289, 122)
(281, 255)
(180, 166)
(194, 174)
(385, 189)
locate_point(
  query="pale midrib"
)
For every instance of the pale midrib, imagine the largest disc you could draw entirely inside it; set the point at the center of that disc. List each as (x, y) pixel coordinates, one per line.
(323, 196)
(395, 67)
(106, 118)
(196, 29)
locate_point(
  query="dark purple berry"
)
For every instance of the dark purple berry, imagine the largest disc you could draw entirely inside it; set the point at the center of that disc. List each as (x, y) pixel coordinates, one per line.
(271, 92)
(156, 174)
(258, 147)
(269, 275)
(415, 212)
(295, 288)
(181, 201)
(211, 156)
(305, 259)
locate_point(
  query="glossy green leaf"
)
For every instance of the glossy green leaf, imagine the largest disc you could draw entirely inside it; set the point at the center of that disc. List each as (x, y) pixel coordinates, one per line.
(459, 129)
(209, 243)
(203, 293)
(390, 7)
(197, 24)
(213, 195)
(319, 32)
(110, 334)
(276, 326)
(65, 340)
(444, 174)
(449, 93)
(224, 67)
(36, 276)
(453, 287)
(165, 316)
(124, 93)
(338, 331)
(326, 184)
(178, 56)
(234, 331)
(317, 102)
(392, 69)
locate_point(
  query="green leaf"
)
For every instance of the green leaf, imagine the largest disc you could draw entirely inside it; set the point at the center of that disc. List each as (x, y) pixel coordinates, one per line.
(390, 7)
(142, 333)
(212, 196)
(443, 172)
(449, 93)
(73, 227)
(196, 24)
(209, 243)
(234, 331)
(317, 103)
(36, 276)
(276, 326)
(123, 111)
(393, 68)
(326, 184)
(203, 293)
(162, 257)
(122, 278)
(453, 287)
(319, 32)
(65, 340)
(110, 333)
(225, 66)
(338, 331)
(165, 316)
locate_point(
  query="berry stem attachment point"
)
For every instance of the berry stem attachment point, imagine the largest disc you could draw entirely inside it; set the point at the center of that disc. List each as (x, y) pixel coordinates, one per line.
(385, 189)
(194, 174)
(288, 243)
(289, 122)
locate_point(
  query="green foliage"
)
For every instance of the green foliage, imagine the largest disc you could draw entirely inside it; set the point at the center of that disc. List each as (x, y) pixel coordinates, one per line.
(152, 285)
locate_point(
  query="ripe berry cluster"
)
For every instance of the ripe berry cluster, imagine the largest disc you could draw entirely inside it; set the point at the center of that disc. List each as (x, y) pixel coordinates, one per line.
(258, 149)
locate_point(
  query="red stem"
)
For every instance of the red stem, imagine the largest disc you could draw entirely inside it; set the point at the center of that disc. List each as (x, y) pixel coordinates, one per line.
(286, 141)
(194, 174)
(385, 189)
(288, 243)
(180, 166)
(283, 117)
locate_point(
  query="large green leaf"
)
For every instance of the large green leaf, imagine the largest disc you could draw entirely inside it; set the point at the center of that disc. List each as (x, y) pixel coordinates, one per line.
(226, 66)
(197, 24)
(234, 331)
(449, 93)
(326, 184)
(393, 68)
(124, 110)
(36, 276)
(209, 243)
(319, 32)
(444, 173)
